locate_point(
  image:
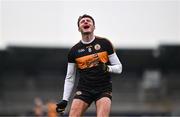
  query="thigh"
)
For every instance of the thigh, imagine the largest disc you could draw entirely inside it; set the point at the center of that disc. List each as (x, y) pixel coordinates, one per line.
(103, 107)
(78, 108)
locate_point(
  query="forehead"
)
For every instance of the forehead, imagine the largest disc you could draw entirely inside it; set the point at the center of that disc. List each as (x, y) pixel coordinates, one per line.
(86, 18)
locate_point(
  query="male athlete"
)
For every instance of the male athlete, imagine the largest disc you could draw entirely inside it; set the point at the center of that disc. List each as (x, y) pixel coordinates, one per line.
(94, 58)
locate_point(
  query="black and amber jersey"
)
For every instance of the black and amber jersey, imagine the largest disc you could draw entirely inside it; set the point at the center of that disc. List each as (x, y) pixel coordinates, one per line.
(88, 58)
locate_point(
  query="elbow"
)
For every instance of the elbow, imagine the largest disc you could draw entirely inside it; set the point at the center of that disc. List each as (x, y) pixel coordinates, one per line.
(119, 69)
(70, 79)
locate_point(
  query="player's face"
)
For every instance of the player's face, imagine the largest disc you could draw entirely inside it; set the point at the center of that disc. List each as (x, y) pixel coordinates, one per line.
(86, 26)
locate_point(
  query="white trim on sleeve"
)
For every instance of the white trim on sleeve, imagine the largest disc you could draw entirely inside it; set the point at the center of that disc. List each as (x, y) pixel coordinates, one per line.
(69, 81)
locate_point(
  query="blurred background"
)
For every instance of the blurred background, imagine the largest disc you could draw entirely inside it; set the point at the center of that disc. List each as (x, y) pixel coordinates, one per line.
(36, 35)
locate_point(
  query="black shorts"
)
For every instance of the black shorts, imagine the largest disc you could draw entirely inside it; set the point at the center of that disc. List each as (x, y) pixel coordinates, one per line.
(89, 96)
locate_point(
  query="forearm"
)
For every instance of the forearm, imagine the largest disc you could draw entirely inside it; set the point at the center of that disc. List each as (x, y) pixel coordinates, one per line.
(116, 66)
(68, 87)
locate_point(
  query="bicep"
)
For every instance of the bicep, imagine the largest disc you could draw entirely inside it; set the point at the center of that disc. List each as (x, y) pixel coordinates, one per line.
(113, 59)
(71, 71)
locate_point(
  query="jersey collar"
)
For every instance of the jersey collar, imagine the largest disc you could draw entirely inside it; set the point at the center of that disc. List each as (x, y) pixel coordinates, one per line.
(85, 42)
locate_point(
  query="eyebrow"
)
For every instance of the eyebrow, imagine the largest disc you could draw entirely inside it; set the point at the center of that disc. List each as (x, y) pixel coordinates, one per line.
(85, 19)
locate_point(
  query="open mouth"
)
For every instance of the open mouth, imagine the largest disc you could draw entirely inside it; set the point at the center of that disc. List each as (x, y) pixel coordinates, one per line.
(86, 27)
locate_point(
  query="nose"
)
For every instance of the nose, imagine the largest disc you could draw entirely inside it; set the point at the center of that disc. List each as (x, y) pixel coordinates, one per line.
(85, 22)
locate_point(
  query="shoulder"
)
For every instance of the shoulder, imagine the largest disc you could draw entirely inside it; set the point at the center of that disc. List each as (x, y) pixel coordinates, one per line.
(103, 40)
(75, 47)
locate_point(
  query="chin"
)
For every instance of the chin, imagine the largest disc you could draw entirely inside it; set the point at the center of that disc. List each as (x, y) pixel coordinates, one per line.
(86, 33)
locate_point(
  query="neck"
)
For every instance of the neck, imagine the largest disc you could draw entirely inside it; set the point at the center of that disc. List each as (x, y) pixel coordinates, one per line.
(88, 37)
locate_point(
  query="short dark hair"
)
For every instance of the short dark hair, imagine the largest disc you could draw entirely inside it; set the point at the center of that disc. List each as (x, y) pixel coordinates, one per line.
(83, 16)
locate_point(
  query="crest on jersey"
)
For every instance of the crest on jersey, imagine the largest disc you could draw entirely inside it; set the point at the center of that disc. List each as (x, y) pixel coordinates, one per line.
(97, 47)
(78, 93)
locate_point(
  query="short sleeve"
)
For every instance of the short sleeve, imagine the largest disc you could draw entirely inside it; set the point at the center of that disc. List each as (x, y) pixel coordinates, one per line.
(109, 47)
(71, 57)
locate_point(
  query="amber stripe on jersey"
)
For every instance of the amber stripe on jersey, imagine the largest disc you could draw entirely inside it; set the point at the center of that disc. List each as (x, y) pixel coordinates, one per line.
(91, 60)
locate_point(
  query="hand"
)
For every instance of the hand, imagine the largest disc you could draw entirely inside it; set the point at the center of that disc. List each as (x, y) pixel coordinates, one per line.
(104, 66)
(61, 106)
